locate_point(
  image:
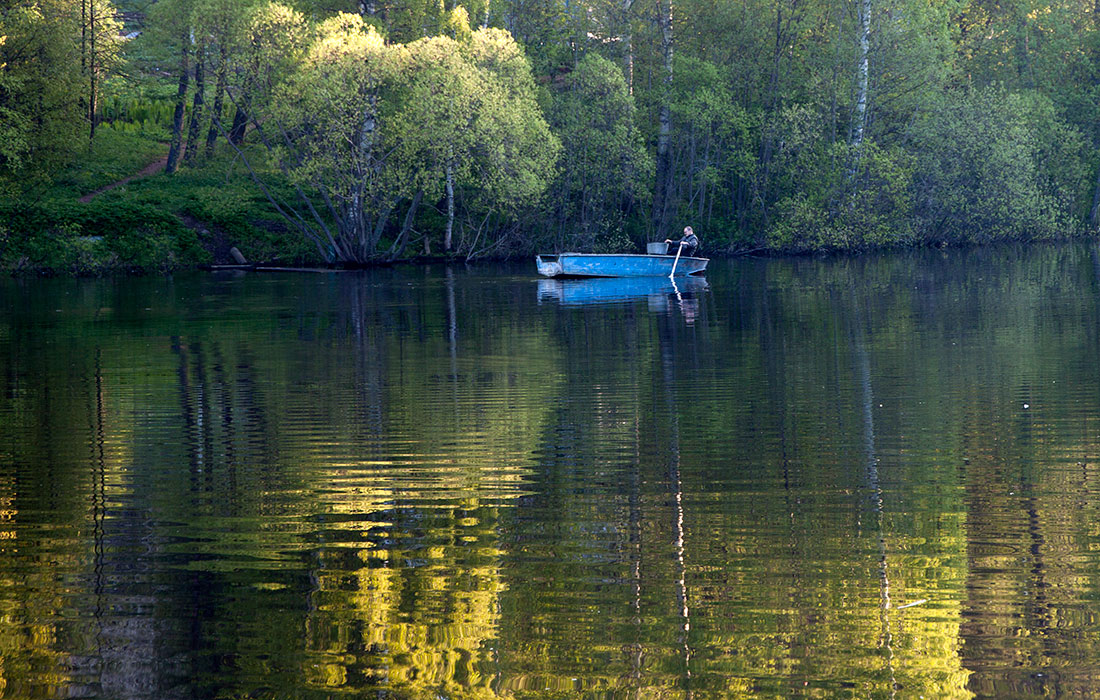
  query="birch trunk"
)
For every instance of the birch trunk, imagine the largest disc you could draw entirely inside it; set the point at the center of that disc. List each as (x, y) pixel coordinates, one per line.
(191, 151)
(628, 45)
(448, 232)
(93, 71)
(181, 103)
(219, 96)
(664, 122)
(1094, 213)
(860, 119)
(357, 217)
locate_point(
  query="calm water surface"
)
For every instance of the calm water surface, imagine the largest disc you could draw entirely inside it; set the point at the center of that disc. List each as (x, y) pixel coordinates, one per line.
(870, 478)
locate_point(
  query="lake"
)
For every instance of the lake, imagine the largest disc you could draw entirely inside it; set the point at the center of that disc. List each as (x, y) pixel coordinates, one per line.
(868, 478)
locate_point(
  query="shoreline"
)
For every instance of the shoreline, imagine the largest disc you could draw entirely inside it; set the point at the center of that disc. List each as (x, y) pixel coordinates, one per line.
(111, 269)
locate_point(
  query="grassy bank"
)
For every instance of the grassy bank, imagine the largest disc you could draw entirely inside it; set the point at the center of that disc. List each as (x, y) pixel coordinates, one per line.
(157, 222)
(71, 224)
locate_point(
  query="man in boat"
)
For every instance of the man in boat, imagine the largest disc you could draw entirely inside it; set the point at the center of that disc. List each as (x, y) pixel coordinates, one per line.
(688, 244)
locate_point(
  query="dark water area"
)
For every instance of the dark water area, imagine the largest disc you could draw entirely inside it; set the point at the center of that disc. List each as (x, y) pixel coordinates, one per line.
(867, 478)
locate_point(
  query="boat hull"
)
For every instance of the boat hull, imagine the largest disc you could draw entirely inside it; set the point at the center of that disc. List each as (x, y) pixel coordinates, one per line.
(616, 265)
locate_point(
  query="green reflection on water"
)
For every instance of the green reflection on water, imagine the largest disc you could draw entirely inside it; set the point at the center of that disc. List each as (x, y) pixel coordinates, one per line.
(865, 478)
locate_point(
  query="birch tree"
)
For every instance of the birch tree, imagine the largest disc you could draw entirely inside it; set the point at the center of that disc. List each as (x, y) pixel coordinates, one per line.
(329, 112)
(220, 25)
(171, 32)
(435, 119)
(369, 125)
(863, 76)
(515, 154)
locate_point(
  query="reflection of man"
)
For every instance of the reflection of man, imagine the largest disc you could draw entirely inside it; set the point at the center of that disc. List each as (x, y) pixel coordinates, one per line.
(688, 304)
(689, 308)
(688, 244)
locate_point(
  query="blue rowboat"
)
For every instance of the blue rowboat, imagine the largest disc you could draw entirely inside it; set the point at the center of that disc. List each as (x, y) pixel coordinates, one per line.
(617, 265)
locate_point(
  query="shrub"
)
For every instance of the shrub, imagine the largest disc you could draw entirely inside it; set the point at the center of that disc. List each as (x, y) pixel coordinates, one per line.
(995, 165)
(851, 203)
(85, 239)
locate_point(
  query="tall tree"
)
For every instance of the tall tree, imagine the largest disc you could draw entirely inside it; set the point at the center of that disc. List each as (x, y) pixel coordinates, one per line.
(99, 51)
(190, 153)
(371, 125)
(219, 25)
(40, 85)
(863, 77)
(605, 166)
(268, 46)
(664, 121)
(184, 76)
(514, 152)
(169, 36)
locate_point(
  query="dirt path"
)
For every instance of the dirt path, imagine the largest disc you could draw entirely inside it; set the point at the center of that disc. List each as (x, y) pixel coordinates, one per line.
(212, 237)
(148, 170)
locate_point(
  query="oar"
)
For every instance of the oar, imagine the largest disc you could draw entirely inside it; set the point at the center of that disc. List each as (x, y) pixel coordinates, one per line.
(678, 249)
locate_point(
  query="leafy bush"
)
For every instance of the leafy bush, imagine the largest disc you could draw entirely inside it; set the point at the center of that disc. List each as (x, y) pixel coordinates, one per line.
(92, 238)
(605, 168)
(995, 165)
(853, 201)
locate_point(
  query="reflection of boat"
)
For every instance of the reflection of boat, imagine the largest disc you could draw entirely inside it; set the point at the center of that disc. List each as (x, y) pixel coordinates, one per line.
(617, 265)
(602, 290)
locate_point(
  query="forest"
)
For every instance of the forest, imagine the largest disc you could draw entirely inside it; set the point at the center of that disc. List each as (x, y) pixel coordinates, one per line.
(358, 132)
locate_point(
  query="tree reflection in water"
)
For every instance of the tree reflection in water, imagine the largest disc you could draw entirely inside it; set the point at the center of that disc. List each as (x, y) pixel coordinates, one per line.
(819, 478)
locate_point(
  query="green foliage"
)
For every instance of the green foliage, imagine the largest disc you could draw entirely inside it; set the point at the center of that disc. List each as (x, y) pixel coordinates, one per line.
(137, 114)
(40, 87)
(995, 165)
(614, 241)
(267, 45)
(119, 150)
(95, 237)
(981, 120)
(222, 203)
(548, 29)
(330, 109)
(715, 137)
(846, 206)
(369, 124)
(513, 151)
(912, 61)
(605, 168)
